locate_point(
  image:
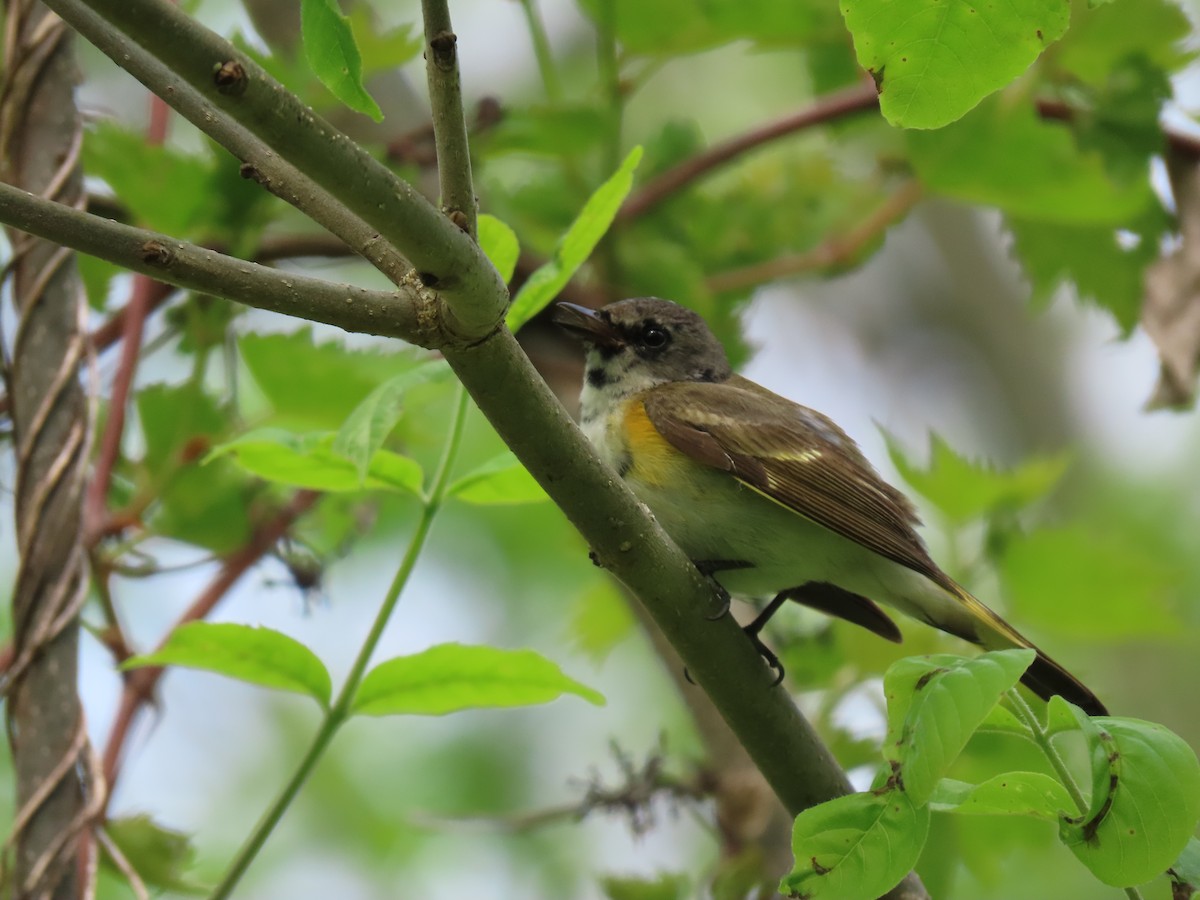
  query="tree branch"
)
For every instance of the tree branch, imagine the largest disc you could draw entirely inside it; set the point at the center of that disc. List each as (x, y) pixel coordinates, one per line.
(449, 120)
(631, 544)
(443, 254)
(400, 314)
(860, 98)
(838, 105)
(840, 250)
(272, 170)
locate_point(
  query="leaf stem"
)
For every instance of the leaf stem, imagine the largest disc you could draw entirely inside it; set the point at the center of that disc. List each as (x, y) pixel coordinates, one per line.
(542, 53)
(339, 712)
(1040, 737)
(1026, 714)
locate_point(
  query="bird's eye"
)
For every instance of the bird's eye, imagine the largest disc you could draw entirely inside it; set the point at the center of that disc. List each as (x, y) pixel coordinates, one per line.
(655, 336)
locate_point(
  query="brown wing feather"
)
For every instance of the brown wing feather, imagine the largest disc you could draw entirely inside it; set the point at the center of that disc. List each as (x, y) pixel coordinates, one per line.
(796, 457)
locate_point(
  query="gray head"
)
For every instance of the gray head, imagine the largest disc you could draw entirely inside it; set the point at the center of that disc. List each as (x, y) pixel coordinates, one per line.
(643, 342)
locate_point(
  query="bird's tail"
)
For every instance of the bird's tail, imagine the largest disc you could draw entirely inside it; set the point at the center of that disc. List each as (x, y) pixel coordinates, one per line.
(979, 625)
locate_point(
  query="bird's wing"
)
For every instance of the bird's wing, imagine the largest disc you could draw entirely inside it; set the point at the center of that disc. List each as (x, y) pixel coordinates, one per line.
(796, 457)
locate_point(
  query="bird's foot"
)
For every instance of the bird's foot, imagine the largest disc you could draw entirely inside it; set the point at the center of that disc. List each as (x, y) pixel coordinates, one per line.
(709, 568)
(764, 651)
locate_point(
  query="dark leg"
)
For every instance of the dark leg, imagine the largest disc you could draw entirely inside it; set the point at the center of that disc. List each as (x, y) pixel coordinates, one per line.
(752, 631)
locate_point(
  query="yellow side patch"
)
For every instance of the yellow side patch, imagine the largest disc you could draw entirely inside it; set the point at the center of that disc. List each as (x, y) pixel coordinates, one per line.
(652, 458)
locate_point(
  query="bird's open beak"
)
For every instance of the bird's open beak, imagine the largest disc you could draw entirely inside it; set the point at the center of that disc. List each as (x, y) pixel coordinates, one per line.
(586, 325)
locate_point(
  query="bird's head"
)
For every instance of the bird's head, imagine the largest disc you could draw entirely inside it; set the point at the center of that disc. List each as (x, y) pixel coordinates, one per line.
(637, 344)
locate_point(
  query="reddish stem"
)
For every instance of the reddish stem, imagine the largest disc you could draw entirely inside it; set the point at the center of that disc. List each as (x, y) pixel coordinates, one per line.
(140, 683)
(133, 328)
(860, 98)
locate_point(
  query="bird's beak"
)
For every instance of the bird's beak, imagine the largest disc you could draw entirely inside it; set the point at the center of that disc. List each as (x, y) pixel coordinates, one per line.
(586, 325)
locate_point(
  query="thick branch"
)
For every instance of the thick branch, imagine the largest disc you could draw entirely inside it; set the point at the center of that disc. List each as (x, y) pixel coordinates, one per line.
(442, 252)
(449, 121)
(393, 314)
(40, 140)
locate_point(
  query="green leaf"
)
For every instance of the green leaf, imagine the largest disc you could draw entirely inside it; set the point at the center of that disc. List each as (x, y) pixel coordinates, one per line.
(559, 131)
(142, 174)
(499, 243)
(947, 705)
(451, 677)
(673, 27)
(1186, 870)
(1145, 802)
(855, 847)
(364, 431)
(97, 275)
(1003, 155)
(499, 481)
(576, 245)
(316, 385)
(333, 55)
(1011, 794)
(667, 886)
(1089, 583)
(178, 424)
(1105, 269)
(934, 60)
(309, 461)
(964, 490)
(383, 49)
(1100, 41)
(159, 855)
(254, 654)
(599, 620)
(203, 505)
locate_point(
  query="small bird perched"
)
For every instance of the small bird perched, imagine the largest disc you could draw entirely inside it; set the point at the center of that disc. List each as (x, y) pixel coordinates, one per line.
(767, 496)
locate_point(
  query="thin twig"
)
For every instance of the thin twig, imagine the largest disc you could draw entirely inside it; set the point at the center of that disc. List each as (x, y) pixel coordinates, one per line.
(349, 178)
(834, 252)
(857, 99)
(849, 101)
(449, 122)
(340, 711)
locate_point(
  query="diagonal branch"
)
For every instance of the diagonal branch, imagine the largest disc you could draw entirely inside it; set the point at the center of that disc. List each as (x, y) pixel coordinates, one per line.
(839, 250)
(857, 99)
(140, 683)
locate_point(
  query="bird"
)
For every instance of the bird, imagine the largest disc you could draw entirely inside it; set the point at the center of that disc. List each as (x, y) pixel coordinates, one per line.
(765, 496)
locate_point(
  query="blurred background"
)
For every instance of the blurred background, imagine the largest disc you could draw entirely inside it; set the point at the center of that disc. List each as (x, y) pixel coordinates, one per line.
(902, 313)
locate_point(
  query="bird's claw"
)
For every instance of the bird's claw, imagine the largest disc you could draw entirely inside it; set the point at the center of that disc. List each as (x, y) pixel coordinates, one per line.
(767, 654)
(708, 568)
